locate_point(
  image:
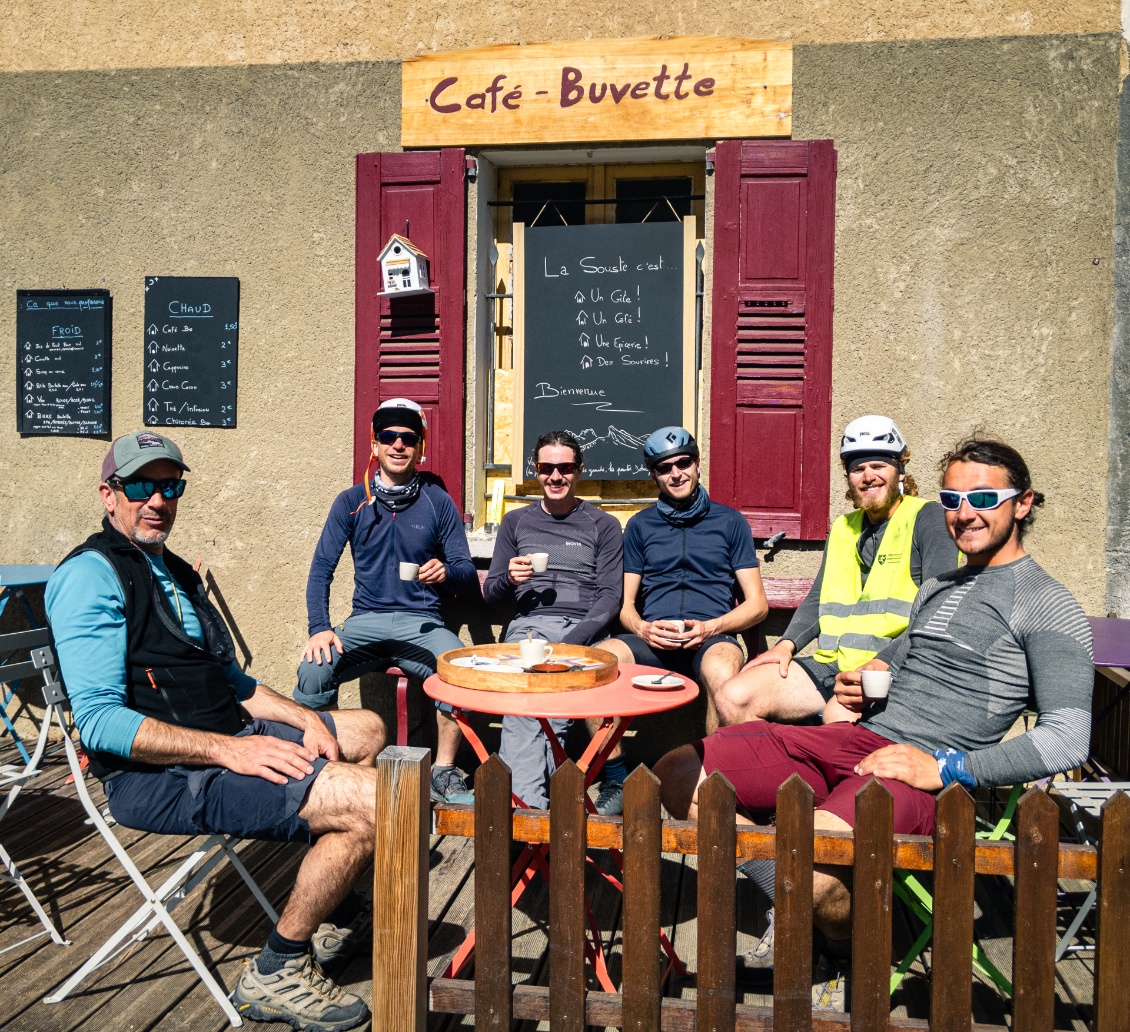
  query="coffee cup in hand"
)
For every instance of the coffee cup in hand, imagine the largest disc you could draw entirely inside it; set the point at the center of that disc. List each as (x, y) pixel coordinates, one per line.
(534, 651)
(539, 561)
(876, 684)
(679, 625)
(409, 571)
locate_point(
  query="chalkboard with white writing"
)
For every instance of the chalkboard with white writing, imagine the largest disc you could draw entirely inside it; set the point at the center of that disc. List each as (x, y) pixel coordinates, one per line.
(63, 362)
(191, 350)
(604, 340)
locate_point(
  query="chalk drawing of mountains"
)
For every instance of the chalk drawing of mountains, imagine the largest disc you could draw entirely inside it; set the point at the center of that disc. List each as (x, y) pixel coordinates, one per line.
(589, 437)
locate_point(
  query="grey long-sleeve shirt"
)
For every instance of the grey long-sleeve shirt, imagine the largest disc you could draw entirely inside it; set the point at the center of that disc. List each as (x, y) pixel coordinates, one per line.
(932, 553)
(585, 578)
(982, 641)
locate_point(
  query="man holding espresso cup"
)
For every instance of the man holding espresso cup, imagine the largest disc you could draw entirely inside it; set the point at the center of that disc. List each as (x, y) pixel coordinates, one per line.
(560, 562)
(408, 545)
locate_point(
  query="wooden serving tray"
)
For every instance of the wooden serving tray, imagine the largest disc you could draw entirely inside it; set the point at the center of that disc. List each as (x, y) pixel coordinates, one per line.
(487, 679)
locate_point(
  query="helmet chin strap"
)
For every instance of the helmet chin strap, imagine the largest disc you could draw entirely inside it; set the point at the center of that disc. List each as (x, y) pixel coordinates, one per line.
(369, 465)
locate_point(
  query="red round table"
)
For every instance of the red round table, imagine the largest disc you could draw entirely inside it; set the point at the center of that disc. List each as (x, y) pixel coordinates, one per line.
(619, 698)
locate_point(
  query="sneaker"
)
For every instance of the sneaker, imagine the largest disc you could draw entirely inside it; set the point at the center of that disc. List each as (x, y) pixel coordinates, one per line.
(756, 966)
(334, 945)
(610, 802)
(299, 994)
(448, 786)
(830, 985)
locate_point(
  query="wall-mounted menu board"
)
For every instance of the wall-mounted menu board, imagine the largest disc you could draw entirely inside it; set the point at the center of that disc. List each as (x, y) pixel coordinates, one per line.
(191, 350)
(604, 339)
(63, 362)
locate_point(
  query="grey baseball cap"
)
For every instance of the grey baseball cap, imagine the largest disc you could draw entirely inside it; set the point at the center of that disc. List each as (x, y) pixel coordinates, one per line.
(132, 451)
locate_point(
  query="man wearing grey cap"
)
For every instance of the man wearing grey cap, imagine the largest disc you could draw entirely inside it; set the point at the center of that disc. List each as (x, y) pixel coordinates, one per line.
(186, 743)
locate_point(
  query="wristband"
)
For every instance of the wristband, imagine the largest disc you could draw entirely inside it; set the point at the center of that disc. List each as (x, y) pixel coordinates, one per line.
(951, 768)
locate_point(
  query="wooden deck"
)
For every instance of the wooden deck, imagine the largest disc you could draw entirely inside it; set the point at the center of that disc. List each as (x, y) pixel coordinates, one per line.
(152, 987)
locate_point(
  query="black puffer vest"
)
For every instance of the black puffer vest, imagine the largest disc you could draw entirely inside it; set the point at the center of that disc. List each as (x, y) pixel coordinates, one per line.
(169, 676)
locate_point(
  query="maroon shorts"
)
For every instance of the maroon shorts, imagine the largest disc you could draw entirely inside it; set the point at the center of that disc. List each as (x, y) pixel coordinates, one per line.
(758, 757)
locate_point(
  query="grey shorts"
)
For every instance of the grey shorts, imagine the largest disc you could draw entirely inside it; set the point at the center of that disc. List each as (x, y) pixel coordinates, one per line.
(823, 675)
(205, 800)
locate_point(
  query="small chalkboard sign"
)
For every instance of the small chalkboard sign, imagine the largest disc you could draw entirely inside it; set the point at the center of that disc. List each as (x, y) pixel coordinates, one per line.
(191, 350)
(63, 362)
(606, 338)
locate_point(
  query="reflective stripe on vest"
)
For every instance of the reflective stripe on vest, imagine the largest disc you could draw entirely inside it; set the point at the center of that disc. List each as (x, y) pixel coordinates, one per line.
(856, 620)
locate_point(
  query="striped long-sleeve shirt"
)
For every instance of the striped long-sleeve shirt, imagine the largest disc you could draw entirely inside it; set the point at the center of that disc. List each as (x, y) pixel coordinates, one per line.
(982, 642)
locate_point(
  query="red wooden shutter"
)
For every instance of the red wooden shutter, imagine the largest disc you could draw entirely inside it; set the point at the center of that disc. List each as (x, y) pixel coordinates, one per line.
(771, 352)
(413, 347)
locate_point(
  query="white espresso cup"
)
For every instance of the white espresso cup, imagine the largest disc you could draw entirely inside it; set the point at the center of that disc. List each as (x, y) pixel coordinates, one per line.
(539, 561)
(876, 684)
(534, 651)
(409, 571)
(680, 625)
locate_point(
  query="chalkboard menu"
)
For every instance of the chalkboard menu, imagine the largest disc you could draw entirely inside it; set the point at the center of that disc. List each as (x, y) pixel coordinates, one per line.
(191, 350)
(604, 339)
(63, 362)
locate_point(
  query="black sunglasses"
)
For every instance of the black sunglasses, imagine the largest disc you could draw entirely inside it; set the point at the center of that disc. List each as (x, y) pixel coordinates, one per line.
(410, 439)
(141, 490)
(682, 462)
(566, 469)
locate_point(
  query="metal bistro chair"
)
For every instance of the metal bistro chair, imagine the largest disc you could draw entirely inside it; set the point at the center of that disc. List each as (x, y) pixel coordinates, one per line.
(13, 777)
(159, 902)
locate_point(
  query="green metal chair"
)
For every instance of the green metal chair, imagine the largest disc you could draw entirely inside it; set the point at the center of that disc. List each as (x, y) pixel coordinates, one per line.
(921, 902)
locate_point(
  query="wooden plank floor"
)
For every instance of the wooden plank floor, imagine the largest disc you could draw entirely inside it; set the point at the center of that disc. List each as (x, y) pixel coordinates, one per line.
(152, 986)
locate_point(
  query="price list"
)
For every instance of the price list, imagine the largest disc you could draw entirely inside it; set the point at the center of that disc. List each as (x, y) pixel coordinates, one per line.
(63, 362)
(191, 351)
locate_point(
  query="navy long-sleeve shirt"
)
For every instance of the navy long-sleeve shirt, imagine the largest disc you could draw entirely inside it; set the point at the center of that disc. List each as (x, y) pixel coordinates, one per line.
(430, 528)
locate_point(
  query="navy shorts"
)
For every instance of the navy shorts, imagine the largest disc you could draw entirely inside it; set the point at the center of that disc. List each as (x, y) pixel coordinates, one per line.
(687, 662)
(823, 675)
(204, 800)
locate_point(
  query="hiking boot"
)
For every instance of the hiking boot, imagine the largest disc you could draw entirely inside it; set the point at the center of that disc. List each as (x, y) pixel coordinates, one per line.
(448, 786)
(610, 802)
(334, 945)
(830, 985)
(755, 967)
(299, 994)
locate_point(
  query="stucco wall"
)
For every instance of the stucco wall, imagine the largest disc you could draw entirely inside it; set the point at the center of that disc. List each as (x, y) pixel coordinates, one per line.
(974, 234)
(107, 177)
(973, 280)
(73, 34)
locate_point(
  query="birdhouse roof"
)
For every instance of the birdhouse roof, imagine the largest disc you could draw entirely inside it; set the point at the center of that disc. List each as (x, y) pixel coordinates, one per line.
(404, 242)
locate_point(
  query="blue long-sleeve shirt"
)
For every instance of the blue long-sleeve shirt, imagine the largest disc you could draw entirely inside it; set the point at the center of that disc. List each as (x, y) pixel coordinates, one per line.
(86, 608)
(430, 528)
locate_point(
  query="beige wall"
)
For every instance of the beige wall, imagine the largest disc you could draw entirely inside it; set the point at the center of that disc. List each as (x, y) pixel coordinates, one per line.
(974, 235)
(71, 34)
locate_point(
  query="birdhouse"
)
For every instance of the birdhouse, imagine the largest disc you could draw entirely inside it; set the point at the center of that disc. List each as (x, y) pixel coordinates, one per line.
(404, 268)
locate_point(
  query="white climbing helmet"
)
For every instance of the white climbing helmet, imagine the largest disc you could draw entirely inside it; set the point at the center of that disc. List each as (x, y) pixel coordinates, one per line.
(872, 435)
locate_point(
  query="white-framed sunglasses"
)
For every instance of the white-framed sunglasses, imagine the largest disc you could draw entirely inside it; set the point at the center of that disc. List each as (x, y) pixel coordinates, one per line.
(979, 500)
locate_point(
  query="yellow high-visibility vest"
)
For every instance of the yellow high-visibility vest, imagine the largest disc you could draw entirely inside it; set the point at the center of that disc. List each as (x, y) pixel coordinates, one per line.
(859, 620)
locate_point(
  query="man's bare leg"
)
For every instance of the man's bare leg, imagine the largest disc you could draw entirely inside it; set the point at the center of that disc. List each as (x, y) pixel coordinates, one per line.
(761, 693)
(361, 735)
(720, 664)
(448, 737)
(623, 654)
(340, 811)
(831, 886)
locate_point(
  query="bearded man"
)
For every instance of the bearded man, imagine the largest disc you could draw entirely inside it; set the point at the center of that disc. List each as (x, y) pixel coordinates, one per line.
(874, 562)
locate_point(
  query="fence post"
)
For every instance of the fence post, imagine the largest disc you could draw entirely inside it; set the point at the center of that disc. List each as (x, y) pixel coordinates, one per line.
(493, 1004)
(1037, 868)
(871, 908)
(1112, 960)
(792, 935)
(951, 991)
(568, 836)
(400, 890)
(717, 939)
(641, 902)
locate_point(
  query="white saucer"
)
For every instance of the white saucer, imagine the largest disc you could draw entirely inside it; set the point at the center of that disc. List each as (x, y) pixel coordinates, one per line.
(666, 683)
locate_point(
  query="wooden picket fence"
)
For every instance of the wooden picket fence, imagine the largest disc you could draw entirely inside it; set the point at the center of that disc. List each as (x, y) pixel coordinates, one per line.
(402, 994)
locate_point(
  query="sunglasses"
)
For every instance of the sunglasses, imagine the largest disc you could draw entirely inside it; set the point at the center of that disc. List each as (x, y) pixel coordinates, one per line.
(682, 462)
(142, 490)
(979, 500)
(566, 469)
(410, 439)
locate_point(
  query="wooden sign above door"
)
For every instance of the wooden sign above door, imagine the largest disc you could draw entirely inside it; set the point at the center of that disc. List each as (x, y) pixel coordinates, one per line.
(678, 88)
